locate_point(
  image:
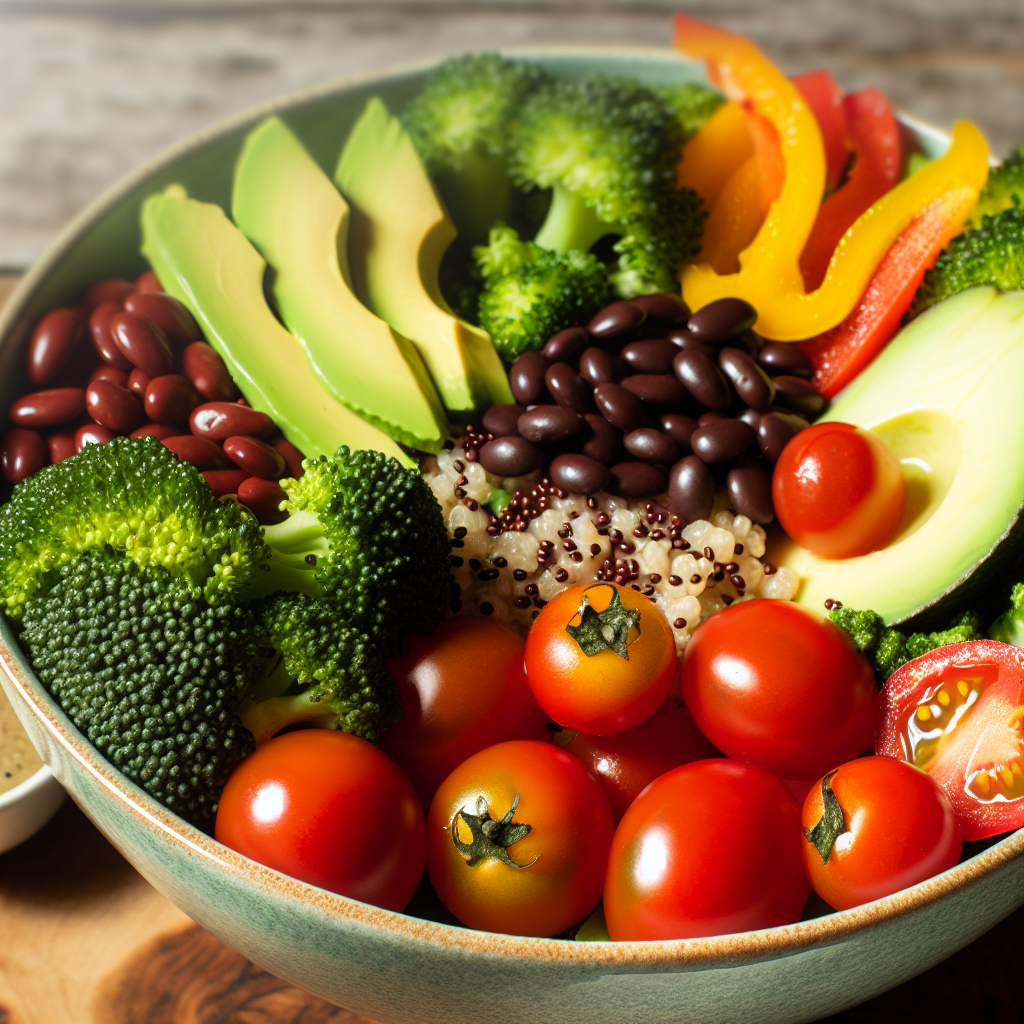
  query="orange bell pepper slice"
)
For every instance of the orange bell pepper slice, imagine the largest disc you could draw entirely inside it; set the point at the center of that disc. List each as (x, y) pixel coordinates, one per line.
(715, 152)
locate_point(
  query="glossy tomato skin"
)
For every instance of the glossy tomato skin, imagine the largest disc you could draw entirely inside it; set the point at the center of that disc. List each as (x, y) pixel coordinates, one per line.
(463, 689)
(602, 693)
(902, 830)
(627, 762)
(775, 684)
(330, 809)
(708, 848)
(975, 753)
(562, 859)
(838, 491)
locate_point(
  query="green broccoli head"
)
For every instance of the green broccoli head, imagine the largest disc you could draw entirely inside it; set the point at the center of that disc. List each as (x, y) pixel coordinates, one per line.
(140, 500)
(1003, 190)
(692, 104)
(609, 150)
(148, 671)
(992, 254)
(531, 293)
(1009, 627)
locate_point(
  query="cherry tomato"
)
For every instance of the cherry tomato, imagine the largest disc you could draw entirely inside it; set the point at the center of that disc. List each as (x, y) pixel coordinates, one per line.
(883, 824)
(777, 685)
(331, 809)
(463, 689)
(838, 491)
(626, 762)
(958, 713)
(708, 848)
(600, 658)
(517, 840)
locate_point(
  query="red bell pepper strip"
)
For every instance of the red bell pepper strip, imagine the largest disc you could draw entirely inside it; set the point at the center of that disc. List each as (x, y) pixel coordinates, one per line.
(825, 99)
(840, 354)
(875, 138)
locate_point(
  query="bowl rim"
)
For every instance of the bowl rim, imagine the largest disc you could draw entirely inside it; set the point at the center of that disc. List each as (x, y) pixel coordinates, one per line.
(763, 944)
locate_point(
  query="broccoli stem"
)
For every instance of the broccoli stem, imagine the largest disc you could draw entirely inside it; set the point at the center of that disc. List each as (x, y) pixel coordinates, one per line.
(265, 718)
(296, 547)
(478, 195)
(571, 223)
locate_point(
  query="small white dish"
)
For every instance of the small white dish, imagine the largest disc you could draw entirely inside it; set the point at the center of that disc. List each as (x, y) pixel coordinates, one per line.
(27, 807)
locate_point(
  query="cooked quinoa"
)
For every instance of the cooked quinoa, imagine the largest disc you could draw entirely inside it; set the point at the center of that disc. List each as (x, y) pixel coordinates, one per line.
(547, 540)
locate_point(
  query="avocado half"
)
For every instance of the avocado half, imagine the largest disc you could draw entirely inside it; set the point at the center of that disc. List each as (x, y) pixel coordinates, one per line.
(947, 398)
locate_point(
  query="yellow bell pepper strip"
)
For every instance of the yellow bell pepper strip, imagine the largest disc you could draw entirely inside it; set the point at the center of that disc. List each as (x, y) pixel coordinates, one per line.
(715, 152)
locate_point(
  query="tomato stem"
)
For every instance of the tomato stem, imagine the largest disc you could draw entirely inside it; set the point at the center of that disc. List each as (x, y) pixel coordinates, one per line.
(490, 837)
(832, 822)
(604, 631)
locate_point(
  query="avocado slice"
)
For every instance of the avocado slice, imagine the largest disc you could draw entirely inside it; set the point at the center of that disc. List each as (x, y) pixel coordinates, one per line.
(204, 261)
(298, 221)
(399, 234)
(945, 396)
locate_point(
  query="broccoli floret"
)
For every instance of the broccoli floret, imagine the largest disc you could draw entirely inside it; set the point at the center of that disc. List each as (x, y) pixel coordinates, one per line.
(531, 293)
(459, 124)
(1009, 627)
(609, 150)
(1003, 190)
(692, 104)
(887, 649)
(148, 671)
(990, 254)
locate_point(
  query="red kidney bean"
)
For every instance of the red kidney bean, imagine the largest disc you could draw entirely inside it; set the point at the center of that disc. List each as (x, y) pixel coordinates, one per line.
(54, 341)
(666, 309)
(679, 428)
(780, 357)
(23, 453)
(264, 498)
(703, 379)
(113, 406)
(170, 399)
(221, 420)
(48, 408)
(292, 456)
(656, 388)
(102, 339)
(602, 442)
(511, 456)
(752, 384)
(722, 440)
(566, 346)
(752, 418)
(636, 479)
(578, 474)
(568, 388)
(598, 366)
(112, 373)
(526, 379)
(148, 283)
(750, 491)
(708, 417)
(138, 383)
(653, 355)
(651, 445)
(502, 420)
(225, 481)
(208, 373)
(775, 430)
(60, 447)
(799, 395)
(545, 424)
(691, 489)
(688, 343)
(110, 289)
(167, 313)
(722, 319)
(255, 457)
(142, 343)
(617, 319)
(621, 408)
(161, 431)
(92, 433)
(203, 453)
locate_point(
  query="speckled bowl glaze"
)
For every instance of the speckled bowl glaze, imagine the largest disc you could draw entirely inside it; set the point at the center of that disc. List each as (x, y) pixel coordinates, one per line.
(397, 968)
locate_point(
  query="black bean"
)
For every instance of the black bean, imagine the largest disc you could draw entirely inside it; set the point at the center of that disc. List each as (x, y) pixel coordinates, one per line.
(800, 395)
(722, 319)
(752, 417)
(621, 408)
(545, 424)
(566, 346)
(779, 357)
(636, 480)
(775, 431)
(526, 378)
(691, 489)
(679, 428)
(568, 388)
(664, 308)
(617, 319)
(752, 384)
(750, 491)
(683, 339)
(603, 442)
(598, 366)
(578, 474)
(722, 439)
(501, 420)
(511, 456)
(704, 380)
(652, 445)
(653, 355)
(661, 389)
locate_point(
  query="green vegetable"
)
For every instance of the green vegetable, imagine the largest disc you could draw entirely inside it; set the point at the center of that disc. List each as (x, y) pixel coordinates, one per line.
(1003, 190)
(531, 293)
(1009, 627)
(692, 104)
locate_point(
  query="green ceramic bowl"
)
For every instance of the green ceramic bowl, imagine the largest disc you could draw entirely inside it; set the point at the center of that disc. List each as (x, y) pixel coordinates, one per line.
(393, 967)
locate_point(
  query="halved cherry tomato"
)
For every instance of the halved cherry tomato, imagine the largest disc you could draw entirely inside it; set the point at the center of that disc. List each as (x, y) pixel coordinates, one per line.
(600, 658)
(708, 848)
(838, 491)
(463, 689)
(517, 840)
(958, 713)
(874, 826)
(775, 684)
